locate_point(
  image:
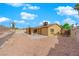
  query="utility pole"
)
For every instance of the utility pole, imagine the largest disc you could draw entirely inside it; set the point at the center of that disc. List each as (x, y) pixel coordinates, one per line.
(13, 25)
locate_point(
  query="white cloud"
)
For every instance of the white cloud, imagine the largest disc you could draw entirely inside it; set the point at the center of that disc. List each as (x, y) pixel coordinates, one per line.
(33, 7)
(16, 4)
(66, 10)
(21, 21)
(29, 6)
(77, 16)
(57, 22)
(69, 21)
(41, 23)
(25, 6)
(3, 19)
(28, 16)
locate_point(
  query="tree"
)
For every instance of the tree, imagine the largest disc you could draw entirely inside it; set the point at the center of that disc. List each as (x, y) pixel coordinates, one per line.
(67, 26)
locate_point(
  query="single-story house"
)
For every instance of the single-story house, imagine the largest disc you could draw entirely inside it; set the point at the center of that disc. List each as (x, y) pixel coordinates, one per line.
(48, 30)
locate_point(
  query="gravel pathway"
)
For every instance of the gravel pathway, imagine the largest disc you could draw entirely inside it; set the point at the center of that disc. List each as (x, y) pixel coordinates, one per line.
(21, 44)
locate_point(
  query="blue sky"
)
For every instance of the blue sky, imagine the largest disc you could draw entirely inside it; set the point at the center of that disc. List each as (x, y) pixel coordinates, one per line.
(34, 14)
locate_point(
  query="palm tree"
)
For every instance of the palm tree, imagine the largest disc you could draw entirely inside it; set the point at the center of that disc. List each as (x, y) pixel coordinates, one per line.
(77, 8)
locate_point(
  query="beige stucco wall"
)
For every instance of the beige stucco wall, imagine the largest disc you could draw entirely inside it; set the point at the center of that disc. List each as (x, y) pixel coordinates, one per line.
(27, 30)
(56, 30)
(75, 33)
(39, 30)
(44, 31)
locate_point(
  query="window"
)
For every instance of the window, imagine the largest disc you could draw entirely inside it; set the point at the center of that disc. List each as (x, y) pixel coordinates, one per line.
(51, 30)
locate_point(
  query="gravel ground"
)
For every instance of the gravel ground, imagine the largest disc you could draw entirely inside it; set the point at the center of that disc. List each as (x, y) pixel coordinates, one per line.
(4, 37)
(21, 44)
(37, 36)
(66, 47)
